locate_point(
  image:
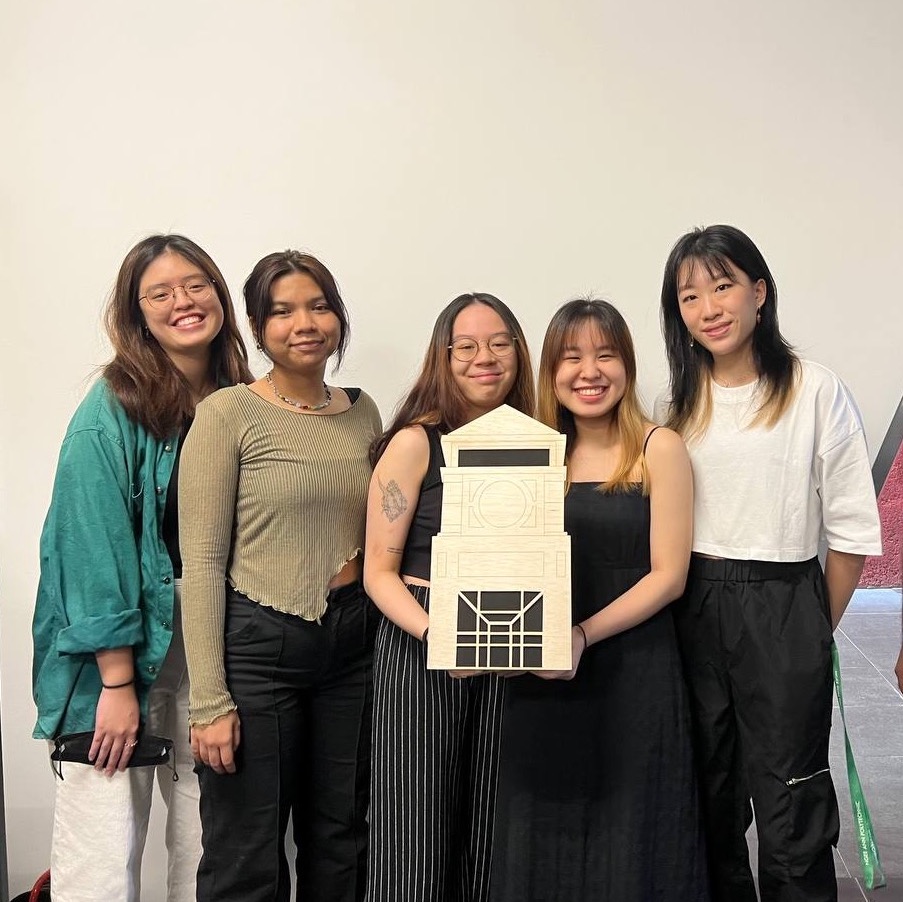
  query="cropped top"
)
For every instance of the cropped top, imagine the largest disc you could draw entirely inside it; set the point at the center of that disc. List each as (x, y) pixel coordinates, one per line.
(273, 502)
(427, 518)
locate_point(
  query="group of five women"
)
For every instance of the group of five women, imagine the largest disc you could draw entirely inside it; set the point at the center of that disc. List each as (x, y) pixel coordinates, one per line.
(700, 677)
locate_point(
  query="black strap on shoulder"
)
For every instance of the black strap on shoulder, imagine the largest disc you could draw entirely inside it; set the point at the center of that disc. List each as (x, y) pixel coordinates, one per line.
(353, 393)
(649, 436)
(434, 436)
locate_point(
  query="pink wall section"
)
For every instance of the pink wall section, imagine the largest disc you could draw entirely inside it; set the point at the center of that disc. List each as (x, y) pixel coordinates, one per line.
(884, 571)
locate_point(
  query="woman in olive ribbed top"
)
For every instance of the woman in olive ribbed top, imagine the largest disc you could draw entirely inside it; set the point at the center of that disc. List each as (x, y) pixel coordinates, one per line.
(279, 633)
(278, 501)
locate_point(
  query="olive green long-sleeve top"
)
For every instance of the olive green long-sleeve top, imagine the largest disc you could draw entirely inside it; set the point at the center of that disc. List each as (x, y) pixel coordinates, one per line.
(272, 501)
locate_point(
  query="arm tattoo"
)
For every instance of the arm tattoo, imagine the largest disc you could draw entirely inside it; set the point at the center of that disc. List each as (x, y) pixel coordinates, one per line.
(394, 502)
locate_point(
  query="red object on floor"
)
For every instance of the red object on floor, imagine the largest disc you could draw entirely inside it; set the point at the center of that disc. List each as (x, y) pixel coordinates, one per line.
(884, 572)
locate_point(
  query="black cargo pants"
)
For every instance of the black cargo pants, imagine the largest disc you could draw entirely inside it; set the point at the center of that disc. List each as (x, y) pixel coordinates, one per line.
(755, 639)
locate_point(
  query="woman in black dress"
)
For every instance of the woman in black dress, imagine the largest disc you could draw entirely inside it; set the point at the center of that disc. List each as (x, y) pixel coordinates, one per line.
(596, 792)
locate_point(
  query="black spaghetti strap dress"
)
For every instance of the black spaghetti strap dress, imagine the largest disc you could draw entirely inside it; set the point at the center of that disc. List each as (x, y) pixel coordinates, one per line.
(597, 798)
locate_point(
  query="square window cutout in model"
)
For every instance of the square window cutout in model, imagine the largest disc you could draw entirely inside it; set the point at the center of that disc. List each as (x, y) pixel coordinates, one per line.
(500, 596)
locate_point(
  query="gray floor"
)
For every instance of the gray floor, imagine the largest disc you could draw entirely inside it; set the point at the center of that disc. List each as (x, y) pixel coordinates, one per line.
(868, 641)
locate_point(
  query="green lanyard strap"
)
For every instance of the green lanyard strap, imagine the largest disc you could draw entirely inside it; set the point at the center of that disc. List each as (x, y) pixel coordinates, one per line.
(862, 820)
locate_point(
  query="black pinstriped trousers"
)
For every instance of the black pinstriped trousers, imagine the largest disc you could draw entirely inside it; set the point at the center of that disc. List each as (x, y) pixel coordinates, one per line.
(435, 766)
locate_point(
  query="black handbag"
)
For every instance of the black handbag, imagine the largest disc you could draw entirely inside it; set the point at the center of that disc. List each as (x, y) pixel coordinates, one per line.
(74, 748)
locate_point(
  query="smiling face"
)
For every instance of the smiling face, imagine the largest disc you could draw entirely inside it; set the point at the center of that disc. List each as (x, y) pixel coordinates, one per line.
(590, 378)
(485, 381)
(302, 331)
(188, 319)
(719, 310)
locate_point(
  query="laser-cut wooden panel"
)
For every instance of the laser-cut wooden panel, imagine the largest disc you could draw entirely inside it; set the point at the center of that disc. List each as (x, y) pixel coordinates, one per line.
(500, 596)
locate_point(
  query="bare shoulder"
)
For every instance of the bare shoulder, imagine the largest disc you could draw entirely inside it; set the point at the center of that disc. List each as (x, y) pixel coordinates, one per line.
(665, 448)
(398, 476)
(661, 437)
(411, 441)
(407, 451)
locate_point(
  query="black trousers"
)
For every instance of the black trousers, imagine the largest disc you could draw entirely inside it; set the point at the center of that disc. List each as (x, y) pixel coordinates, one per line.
(756, 643)
(303, 691)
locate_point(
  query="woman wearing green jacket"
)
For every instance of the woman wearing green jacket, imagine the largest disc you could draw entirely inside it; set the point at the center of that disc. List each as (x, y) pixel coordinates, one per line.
(108, 652)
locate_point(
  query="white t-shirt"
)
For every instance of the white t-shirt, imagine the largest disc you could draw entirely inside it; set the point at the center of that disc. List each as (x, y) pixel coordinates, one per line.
(772, 494)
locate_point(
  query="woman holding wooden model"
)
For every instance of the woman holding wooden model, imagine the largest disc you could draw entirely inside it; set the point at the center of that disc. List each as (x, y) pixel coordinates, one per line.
(596, 796)
(435, 739)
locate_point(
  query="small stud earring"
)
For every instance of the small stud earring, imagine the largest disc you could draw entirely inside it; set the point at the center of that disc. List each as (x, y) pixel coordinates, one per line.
(758, 316)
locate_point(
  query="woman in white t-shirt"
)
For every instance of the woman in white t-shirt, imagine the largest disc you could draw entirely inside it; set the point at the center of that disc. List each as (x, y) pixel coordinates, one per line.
(780, 464)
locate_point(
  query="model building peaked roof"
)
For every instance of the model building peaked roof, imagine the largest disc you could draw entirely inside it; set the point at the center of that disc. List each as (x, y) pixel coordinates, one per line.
(505, 421)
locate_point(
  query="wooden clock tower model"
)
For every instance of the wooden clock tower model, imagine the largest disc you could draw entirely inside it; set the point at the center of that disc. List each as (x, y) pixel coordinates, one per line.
(500, 596)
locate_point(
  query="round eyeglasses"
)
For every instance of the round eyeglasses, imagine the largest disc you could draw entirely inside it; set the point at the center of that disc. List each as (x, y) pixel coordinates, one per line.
(466, 349)
(196, 288)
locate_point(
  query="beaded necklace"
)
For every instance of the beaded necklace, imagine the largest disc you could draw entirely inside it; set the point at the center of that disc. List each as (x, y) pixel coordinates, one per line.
(321, 406)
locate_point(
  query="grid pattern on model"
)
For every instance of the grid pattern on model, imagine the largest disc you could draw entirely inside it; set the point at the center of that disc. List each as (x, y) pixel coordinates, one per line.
(500, 629)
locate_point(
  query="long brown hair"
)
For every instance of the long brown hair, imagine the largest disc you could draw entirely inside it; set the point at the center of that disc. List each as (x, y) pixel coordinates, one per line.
(629, 418)
(436, 399)
(149, 386)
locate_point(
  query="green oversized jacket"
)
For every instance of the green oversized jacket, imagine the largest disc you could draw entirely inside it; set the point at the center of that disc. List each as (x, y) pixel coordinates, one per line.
(106, 577)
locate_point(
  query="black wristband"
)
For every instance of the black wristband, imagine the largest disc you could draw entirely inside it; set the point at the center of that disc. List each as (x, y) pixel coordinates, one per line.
(583, 633)
(423, 637)
(130, 682)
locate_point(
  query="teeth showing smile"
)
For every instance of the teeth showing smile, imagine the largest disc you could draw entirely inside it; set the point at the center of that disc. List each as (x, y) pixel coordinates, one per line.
(591, 392)
(191, 320)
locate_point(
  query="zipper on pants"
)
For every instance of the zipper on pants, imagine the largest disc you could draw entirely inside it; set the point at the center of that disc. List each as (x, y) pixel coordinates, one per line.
(794, 780)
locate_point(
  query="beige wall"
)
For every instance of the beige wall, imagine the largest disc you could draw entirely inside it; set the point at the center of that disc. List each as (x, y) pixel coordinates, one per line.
(532, 149)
